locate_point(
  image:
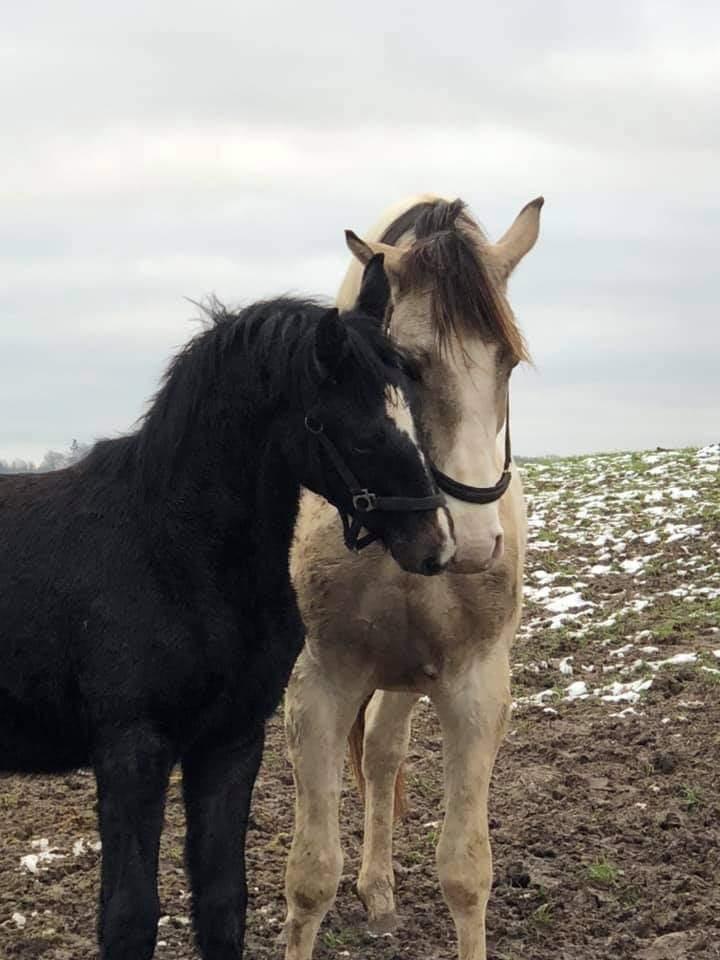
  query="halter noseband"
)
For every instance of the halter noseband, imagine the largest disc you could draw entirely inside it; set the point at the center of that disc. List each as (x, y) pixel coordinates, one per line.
(364, 501)
(463, 491)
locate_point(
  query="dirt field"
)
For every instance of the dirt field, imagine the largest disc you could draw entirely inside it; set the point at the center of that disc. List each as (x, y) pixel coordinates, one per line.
(605, 805)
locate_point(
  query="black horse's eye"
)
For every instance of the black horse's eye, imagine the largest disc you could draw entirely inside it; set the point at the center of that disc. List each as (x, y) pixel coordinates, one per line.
(412, 369)
(368, 444)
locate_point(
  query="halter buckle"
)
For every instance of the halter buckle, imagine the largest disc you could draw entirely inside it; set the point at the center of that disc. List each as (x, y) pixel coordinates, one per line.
(313, 425)
(364, 502)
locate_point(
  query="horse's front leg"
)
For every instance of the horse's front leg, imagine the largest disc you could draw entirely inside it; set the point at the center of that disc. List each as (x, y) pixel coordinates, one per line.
(319, 712)
(132, 767)
(218, 780)
(473, 708)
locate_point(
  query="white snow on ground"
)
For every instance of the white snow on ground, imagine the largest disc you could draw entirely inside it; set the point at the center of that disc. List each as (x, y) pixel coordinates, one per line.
(81, 847)
(45, 855)
(678, 658)
(622, 560)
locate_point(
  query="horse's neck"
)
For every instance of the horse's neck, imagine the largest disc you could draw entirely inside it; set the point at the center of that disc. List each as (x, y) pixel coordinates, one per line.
(228, 481)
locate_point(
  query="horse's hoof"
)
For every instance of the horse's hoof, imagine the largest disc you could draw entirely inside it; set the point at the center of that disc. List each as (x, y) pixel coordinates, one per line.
(383, 925)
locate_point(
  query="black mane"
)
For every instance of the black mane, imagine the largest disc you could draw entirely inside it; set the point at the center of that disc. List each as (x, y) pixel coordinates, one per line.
(271, 348)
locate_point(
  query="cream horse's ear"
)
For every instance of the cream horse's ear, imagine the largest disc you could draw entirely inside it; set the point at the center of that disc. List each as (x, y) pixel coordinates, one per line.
(365, 250)
(518, 240)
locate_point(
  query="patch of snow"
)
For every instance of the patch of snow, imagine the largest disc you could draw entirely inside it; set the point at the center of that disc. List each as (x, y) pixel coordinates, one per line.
(633, 565)
(577, 691)
(681, 531)
(680, 493)
(19, 920)
(711, 450)
(544, 577)
(625, 692)
(45, 854)
(627, 712)
(565, 666)
(571, 601)
(599, 569)
(673, 661)
(541, 697)
(540, 545)
(81, 847)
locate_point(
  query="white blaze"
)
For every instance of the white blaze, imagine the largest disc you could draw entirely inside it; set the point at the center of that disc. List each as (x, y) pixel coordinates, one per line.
(398, 409)
(476, 457)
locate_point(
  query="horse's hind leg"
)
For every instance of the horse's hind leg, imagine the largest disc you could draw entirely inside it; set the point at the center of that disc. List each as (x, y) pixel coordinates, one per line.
(132, 769)
(218, 780)
(473, 711)
(387, 733)
(318, 718)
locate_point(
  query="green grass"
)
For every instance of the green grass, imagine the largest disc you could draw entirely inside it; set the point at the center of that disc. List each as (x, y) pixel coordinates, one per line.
(341, 938)
(543, 915)
(603, 873)
(691, 797)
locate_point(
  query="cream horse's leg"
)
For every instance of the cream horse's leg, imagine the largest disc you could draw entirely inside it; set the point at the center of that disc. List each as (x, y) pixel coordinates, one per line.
(318, 718)
(473, 712)
(387, 732)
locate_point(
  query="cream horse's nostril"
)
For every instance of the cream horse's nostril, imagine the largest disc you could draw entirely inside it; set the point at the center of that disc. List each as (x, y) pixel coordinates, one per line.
(498, 549)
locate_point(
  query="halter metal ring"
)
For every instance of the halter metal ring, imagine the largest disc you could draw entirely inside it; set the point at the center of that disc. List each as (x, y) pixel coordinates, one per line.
(312, 425)
(364, 502)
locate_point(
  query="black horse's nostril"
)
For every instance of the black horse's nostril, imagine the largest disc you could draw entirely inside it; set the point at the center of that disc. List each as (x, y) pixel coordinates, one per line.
(430, 566)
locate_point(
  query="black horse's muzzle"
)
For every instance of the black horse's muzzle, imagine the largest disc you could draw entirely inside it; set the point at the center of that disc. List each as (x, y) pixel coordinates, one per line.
(363, 500)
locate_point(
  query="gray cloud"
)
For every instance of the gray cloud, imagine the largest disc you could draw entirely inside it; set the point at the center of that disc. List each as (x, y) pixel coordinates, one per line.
(153, 153)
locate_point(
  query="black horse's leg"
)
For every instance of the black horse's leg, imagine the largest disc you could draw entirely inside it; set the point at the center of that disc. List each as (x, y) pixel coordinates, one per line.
(218, 782)
(132, 768)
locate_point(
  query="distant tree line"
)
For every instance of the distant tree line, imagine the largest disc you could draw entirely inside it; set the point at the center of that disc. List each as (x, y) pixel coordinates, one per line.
(53, 460)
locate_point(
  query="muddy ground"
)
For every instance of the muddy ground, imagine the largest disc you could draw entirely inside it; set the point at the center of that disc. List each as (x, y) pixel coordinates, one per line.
(606, 836)
(605, 815)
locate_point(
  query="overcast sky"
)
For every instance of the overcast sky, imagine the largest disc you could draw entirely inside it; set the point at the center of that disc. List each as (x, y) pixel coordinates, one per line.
(151, 152)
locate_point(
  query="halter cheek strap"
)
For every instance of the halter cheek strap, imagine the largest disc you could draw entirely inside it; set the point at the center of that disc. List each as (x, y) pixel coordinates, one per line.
(364, 501)
(469, 494)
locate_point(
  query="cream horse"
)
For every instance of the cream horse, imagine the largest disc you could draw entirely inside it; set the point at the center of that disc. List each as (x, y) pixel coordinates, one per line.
(378, 638)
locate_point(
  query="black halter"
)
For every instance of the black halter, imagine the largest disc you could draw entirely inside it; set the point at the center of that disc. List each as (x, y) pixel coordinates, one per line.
(363, 500)
(463, 491)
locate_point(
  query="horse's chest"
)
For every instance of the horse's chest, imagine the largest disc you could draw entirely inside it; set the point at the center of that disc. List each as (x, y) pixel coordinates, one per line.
(413, 630)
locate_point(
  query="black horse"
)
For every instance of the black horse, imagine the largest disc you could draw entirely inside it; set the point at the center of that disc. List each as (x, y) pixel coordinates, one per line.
(146, 611)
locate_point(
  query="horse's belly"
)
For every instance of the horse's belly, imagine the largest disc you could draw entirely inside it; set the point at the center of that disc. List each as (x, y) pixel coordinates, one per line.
(39, 739)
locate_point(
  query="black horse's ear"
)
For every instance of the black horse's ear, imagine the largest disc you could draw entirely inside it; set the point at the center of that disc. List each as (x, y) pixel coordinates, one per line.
(374, 290)
(330, 337)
